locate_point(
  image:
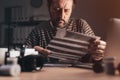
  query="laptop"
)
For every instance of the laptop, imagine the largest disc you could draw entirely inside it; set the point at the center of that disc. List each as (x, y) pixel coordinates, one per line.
(113, 40)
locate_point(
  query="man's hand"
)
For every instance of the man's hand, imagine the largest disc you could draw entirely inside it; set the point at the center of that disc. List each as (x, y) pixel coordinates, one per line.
(42, 50)
(96, 48)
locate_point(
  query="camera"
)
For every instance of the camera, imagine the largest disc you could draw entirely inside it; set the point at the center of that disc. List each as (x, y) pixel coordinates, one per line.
(27, 58)
(31, 62)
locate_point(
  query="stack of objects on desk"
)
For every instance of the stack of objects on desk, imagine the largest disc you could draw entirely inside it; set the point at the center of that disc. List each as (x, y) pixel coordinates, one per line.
(71, 46)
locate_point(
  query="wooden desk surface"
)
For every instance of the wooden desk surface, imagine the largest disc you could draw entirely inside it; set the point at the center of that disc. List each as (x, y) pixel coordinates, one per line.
(62, 73)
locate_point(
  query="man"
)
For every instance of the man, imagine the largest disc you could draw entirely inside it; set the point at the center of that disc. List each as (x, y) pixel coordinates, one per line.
(60, 12)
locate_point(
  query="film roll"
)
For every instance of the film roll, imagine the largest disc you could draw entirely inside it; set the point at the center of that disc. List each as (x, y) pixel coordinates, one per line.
(10, 70)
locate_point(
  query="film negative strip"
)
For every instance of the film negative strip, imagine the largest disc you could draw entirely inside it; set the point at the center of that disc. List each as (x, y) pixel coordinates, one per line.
(69, 45)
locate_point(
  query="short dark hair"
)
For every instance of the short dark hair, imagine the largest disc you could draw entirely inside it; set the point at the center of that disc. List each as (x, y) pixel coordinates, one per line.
(50, 1)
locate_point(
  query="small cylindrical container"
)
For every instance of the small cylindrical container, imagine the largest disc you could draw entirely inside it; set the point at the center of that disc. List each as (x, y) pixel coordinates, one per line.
(118, 68)
(10, 70)
(12, 60)
(109, 65)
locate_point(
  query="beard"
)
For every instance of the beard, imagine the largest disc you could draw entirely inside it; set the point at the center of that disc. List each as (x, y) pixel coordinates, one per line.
(59, 23)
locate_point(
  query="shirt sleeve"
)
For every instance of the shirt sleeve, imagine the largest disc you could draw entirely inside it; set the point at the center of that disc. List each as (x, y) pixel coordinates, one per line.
(32, 39)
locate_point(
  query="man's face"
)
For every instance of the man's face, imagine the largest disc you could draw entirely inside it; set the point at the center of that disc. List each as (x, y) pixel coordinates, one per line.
(60, 12)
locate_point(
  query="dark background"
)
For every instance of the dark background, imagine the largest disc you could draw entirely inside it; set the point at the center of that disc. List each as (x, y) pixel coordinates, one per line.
(17, 14)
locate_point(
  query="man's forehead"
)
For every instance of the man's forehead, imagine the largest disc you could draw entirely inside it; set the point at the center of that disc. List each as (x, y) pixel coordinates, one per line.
(63, 2)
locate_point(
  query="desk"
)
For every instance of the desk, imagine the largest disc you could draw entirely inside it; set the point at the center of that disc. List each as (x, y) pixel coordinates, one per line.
(62, 73)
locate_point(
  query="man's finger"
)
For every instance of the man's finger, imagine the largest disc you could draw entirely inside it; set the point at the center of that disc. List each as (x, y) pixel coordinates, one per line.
(101, 47)
(42, 50)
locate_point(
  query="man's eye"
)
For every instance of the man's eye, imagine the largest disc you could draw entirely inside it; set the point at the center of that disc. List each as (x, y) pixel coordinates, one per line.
(57, 9)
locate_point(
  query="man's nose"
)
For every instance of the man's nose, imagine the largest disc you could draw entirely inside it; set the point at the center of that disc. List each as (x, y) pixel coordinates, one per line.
(62, 14)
